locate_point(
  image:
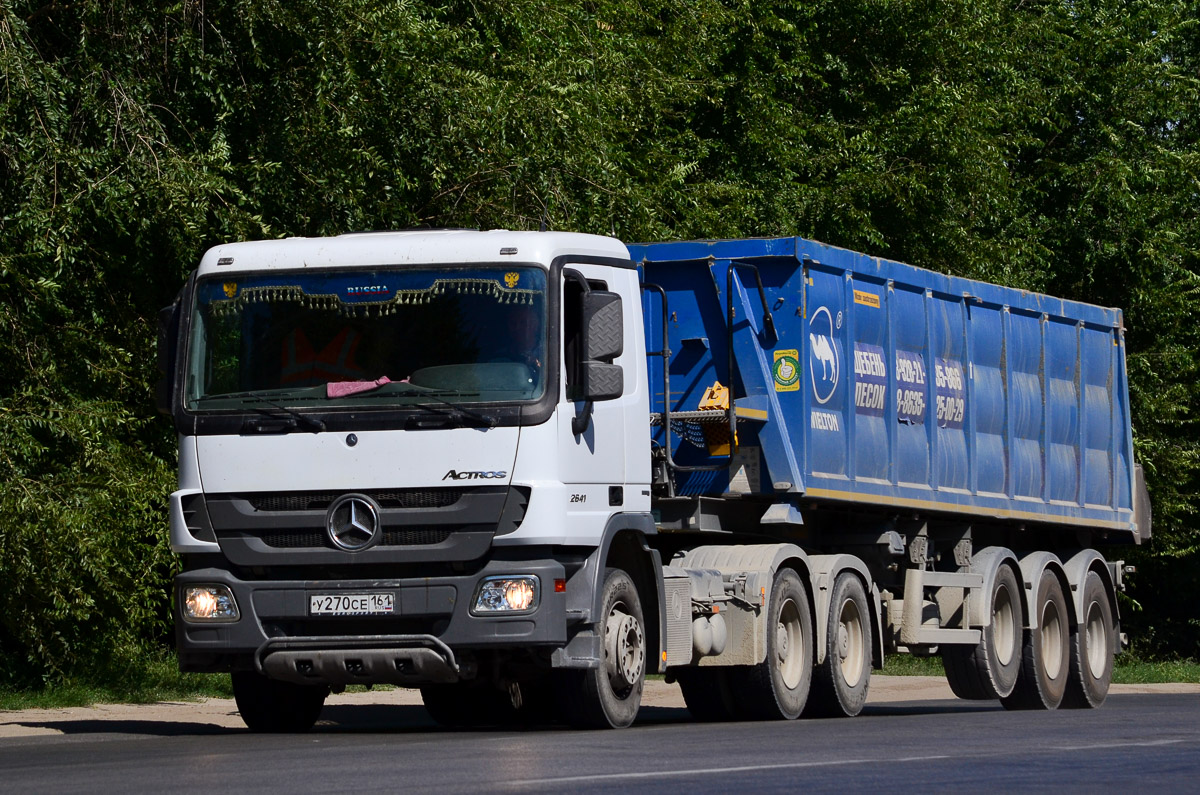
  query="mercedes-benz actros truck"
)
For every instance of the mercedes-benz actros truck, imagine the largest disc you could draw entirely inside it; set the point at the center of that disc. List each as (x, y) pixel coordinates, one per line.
(522, 470)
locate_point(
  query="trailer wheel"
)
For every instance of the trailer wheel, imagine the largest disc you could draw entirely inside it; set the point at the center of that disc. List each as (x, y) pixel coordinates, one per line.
(777, 688)
(1046, 665)
(707, 693)
(609, 696)
(1093, 644)
(989, 669)
(269, 705)
(841, 681)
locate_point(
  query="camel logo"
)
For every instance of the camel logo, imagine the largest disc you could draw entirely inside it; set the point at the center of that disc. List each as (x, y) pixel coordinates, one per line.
(822, 356)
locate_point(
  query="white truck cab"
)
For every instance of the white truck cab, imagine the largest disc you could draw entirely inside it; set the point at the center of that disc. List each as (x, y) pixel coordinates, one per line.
(398, 454)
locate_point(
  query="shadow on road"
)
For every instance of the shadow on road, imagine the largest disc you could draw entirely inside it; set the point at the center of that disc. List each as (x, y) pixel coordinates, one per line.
(413, 719)
(152, 728)
(930, 707)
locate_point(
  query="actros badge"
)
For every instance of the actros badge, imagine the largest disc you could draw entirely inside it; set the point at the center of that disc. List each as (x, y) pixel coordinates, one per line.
(473, 475)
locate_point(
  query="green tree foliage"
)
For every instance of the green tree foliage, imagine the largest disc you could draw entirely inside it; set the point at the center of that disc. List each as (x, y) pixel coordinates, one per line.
(1047, 145)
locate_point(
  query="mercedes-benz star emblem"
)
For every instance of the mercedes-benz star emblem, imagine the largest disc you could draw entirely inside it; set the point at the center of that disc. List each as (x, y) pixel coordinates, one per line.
(352, 522)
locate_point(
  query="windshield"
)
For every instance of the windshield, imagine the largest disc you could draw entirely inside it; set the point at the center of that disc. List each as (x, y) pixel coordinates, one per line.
(368, 338)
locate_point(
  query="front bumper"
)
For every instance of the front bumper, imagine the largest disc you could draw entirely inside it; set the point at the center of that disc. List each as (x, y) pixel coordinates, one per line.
(431, 635)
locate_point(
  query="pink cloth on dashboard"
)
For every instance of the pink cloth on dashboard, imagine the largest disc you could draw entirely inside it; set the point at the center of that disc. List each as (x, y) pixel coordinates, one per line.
(336, 389)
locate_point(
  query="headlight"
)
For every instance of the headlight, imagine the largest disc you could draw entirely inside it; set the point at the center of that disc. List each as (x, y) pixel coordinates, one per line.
(209, 603)
(507, 595)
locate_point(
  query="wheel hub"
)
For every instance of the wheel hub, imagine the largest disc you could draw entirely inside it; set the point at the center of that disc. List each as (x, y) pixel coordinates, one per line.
(1097, 641)
(789, 644)
(626, 650)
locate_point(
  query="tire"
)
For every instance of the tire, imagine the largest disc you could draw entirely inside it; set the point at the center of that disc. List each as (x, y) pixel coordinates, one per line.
(989, 669)
(269, 705)
(609, 696)
(448, 705)
(777, 688)
(538, 704)
(1046, 658)
(467, 705)
(841, 681)
(1093, 645)
(707, 693)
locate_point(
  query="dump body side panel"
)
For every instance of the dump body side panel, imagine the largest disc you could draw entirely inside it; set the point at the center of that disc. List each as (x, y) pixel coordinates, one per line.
(897, 387)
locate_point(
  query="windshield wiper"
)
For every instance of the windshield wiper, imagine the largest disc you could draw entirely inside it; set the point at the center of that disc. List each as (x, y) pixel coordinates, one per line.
(262, 394)
(457, 411)
(273, 423)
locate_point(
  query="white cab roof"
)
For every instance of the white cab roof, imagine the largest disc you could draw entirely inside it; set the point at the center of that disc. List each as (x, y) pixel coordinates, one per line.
(406, 248)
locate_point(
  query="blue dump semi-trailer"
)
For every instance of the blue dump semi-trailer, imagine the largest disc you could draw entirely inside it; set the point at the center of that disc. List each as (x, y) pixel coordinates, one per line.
(794, 461)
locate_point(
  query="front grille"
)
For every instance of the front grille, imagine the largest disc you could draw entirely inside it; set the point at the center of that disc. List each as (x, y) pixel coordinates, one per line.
(321, 500)
(257, 528)
(392, 537)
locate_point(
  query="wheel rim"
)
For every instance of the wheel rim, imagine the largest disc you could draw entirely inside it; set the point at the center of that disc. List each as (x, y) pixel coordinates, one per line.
(1050, 628)
(626, 649)
(789, 645)
(1097, 641)
(1004, 631)
(850, 642)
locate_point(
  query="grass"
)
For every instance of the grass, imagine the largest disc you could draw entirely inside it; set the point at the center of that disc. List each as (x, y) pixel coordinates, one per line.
(156, 680)
(1131, 671)
(160, 680)
(908, 665)
(1128, 670)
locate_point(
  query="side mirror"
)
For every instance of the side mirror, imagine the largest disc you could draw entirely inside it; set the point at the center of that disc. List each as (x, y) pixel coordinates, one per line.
(603, 326)
(603, 340)
(168, 336)
(601, 381)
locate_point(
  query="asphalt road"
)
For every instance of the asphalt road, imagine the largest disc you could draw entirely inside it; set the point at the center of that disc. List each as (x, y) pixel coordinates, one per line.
(1135, 741)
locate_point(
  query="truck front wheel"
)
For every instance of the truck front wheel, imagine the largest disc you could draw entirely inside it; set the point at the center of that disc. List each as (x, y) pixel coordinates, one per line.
(269, 705)
(609, 696)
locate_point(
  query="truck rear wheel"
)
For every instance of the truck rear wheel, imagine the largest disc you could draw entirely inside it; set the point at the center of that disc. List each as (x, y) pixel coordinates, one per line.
(1046, 664)
(707, 693)
(269, 705)
(610, 695)
(777, 688)
(841, 681)
(1093, 644)
(990, 668)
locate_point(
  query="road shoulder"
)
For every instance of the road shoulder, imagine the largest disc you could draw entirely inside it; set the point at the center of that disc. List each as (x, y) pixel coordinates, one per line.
(216, 714)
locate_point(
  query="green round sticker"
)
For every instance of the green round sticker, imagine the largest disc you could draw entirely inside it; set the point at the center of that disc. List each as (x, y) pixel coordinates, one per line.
(787, 370)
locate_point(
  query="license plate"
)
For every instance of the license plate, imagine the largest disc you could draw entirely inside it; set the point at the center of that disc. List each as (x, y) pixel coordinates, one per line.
(351, 604)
